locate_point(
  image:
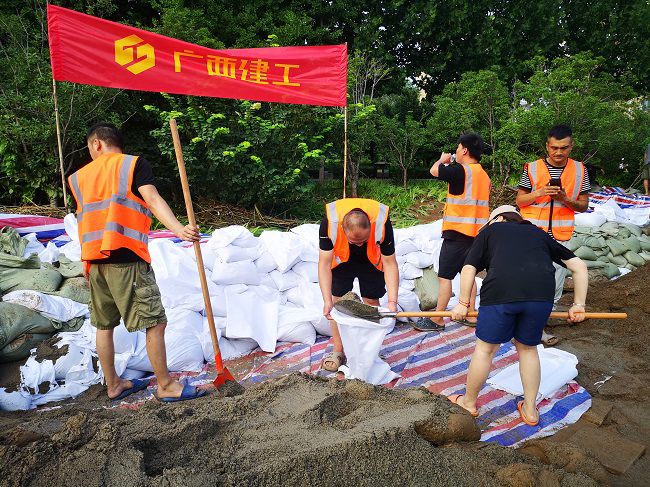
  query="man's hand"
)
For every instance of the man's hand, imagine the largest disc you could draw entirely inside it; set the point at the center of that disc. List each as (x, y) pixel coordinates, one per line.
(576, 313)
(459, 312)
(552, 191)
(392, 306)
(445, 158)
(188, 233)
(327, 307)
(560, 196)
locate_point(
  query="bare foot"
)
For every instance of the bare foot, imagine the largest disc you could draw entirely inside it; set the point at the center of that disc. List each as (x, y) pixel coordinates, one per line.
(119, 388)
(173, 389)
(532, 415)
(461, 402)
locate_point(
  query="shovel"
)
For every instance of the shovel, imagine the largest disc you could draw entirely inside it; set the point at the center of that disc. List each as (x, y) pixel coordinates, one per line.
(352, 306)
(223, 374)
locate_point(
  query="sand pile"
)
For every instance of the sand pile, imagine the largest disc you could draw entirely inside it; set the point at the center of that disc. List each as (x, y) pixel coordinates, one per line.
(296, 430)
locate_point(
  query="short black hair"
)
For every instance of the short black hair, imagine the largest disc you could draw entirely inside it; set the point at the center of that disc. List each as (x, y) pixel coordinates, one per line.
(473, 143)
(560, 132)
(106, 132)
(356, 218)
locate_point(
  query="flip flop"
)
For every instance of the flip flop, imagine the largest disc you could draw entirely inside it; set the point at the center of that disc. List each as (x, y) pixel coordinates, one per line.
(520, 408)
(189, 392)
(427, 324)
(454, 400)
(138, 385)
(549, 340)
(336, 358)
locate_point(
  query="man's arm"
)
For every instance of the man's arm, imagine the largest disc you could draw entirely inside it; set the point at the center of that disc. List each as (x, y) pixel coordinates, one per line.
(445, 158)
(467, 278)
(163, 212)
(325, 258)
(526, 197)
(580, 278)
(580, 205)
(391, 276)
(645, 186)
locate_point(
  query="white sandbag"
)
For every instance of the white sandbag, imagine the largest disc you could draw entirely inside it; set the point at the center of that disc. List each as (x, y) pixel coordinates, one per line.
(322, 326)
(232, 235)
(421, 260)
(184, 349)
(177, 275)
(362, 341)
(72, 250)
(402, 259)
(34, 373)
(33, 245)
(52, 307)
(50, 253)
(307, 231)
(284, 247)
(590, 219)
(406, 301)
(250, 315)
(130, 374)
(267, 280)
(408, 284)
(307, 270)
(294, 325)
(14, 401)
(285, 280)
(309, 252)
(207, 254)
(63, 364)
(233, 253)
(557, 369)
(123, 340)
(403, 247)
(71, 227)
(307, 295)
(428, 231)
(242, 272)
(265, 263)
(409, 271)
(59, 393)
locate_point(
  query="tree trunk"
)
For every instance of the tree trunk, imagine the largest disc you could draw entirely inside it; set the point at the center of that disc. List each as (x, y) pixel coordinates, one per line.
(405, 174)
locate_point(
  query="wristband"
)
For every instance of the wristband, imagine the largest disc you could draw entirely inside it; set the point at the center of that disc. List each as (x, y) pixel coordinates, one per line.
(464, 303)
(391, 301)
(578, 304)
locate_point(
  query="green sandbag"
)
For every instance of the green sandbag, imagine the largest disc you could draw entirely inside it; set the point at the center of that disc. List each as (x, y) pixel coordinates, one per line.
(585, 253)
(645, 255)
(644, 242)
(603, 258)
(20, 348)
(594, 264)
(11, 242)
(623, 233)
(17, 320)
(68, 269)
(618, 260)
(601, 253)
(630, 266)
(426, 289)
(634, 229)
(632, 243)
(77, 289)
(610, 228)
(595, 242)
(635, 259)
(610, 270)
(43, 280)
(616, 247)
(579, 230)
(575, 243)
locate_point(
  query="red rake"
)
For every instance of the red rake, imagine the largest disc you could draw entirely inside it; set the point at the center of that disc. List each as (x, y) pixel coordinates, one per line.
(223, 374)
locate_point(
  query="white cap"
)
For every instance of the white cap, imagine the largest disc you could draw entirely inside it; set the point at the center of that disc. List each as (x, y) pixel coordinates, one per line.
(502, 209)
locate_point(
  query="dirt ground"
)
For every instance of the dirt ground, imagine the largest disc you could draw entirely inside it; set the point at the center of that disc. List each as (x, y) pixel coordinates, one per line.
(302, 430)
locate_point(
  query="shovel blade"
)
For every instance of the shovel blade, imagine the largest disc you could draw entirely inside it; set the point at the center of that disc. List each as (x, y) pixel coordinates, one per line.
(222, 378)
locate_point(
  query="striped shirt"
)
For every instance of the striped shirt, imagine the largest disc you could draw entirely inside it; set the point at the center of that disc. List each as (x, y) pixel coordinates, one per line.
(556, 173)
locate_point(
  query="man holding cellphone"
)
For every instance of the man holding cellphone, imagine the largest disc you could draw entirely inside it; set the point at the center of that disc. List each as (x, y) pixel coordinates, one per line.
(551, 191)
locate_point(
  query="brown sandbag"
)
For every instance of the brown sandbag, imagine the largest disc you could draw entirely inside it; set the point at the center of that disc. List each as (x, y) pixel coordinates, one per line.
(17, 320)
(21, 347)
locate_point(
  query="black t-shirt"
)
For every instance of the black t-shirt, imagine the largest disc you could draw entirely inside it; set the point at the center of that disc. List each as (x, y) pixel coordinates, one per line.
(358, 253)
(142, 175)
(519, 261)
(454, 175)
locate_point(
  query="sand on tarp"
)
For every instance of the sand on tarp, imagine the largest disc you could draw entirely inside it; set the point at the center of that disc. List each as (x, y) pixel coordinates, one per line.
(294, 430)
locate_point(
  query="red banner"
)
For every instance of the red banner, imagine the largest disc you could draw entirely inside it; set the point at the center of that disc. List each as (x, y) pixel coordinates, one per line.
(94, 51)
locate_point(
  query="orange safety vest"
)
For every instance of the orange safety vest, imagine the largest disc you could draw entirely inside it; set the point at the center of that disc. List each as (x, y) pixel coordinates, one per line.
(545, 211)
(468, 212)
(109, 215)
(378, 215)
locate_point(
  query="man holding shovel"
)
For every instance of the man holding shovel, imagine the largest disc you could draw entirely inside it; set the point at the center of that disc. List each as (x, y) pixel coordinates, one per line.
(115, 198)
(356, 241)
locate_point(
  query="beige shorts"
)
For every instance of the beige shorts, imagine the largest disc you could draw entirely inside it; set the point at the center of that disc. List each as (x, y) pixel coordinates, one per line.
(128, 291)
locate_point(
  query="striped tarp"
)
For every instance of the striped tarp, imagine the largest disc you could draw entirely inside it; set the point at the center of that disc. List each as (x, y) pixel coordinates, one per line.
(619, 196)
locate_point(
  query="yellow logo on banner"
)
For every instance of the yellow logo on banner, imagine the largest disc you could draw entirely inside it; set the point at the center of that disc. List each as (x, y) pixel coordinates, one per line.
(134, 54)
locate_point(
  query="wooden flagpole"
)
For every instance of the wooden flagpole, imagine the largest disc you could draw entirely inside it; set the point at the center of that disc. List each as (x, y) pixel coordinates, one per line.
(58, 139)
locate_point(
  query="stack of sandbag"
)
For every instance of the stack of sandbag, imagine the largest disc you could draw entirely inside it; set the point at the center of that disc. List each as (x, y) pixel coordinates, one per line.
(611, 246)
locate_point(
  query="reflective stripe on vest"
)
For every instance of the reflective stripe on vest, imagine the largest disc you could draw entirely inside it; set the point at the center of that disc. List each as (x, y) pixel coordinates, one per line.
(117, 228)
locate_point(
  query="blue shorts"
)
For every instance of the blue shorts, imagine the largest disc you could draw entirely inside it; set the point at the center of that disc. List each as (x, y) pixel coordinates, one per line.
(524, 321)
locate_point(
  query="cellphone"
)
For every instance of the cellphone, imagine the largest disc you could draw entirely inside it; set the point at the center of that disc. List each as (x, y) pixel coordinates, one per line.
(453, 158)
(555, 182)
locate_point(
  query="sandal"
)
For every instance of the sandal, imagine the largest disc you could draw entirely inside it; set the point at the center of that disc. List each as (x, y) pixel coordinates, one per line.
(520, 408)
(454, 399)
(466, 322)
(549, 340)
(332, 361)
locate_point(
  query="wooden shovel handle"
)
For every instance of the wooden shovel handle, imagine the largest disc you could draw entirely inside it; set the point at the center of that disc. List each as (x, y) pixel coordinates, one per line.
(473, 314)
(197, 247)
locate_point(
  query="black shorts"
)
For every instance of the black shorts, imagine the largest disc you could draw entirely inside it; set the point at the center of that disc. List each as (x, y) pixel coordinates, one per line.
(371, 280)
(452, 257)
